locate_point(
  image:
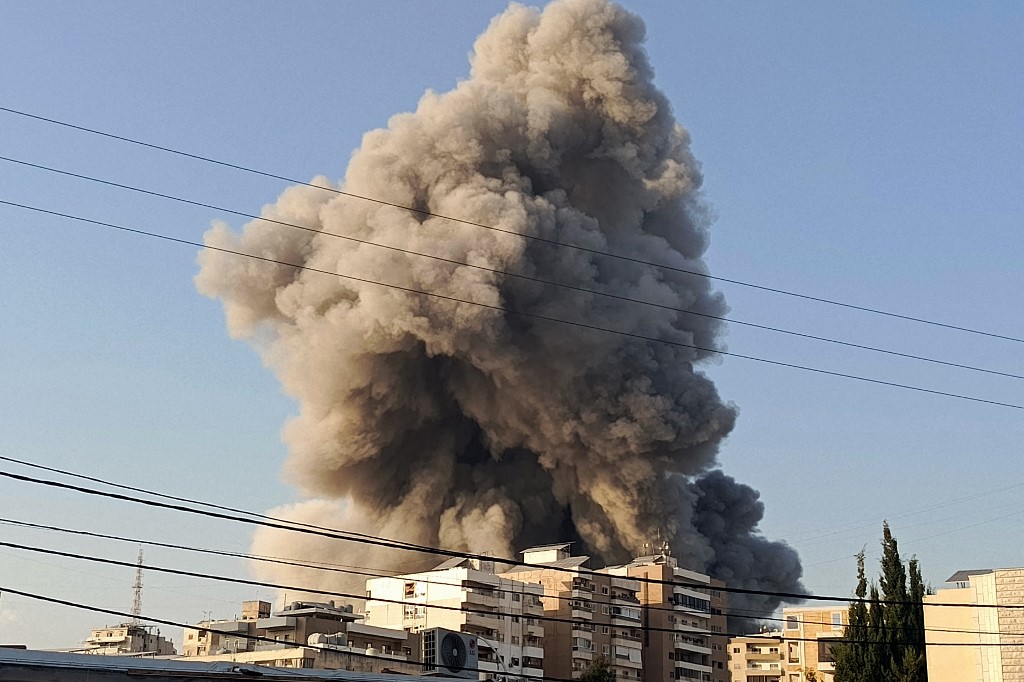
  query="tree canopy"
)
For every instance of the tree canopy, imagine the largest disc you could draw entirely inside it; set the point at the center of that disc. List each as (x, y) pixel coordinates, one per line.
(885, 635)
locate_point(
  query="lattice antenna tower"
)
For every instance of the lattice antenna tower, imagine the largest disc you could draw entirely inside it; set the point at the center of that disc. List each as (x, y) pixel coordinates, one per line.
(137, 591)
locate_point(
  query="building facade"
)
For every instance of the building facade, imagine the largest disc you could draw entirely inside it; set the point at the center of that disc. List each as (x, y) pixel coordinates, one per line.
(127, 639)
(589, 614)
(968, 643)
(683, 620)
(807, 635)
(756, 658)
(294, 623)
(501, 612)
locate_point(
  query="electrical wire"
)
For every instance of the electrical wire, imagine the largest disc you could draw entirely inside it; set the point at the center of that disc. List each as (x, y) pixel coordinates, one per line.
(598, 252)
(378, 541)
(332, 593)
(539, 280)
(376, 573)
(522, 313)
(255, 638)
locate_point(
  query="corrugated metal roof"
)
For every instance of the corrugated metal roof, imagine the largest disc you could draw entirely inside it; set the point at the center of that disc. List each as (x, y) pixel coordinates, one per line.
(454, 562)
(13, 658)
(544, 548)
(571, 562)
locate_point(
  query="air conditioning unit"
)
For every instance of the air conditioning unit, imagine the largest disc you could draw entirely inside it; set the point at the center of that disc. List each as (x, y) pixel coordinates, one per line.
(450, 653)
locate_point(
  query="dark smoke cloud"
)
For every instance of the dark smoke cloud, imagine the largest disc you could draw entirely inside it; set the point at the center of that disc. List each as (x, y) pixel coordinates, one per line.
(451, 424)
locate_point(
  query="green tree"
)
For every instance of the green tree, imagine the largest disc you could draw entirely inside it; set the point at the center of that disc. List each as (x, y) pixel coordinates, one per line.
(897, 609)
(875, 654)
(885, 637)
(598, 671)
(851, 655)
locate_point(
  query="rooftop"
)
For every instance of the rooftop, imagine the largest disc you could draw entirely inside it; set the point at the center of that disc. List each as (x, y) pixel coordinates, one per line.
(52, 665)
(571, 562)
(547, 548)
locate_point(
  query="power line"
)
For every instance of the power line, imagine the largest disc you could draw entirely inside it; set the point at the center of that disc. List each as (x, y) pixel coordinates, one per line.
(539, 280)
(368, 572)
(857, 525)
(333, 593)
(547, 318)
(598, 252)
(383, 542)
(255, 638)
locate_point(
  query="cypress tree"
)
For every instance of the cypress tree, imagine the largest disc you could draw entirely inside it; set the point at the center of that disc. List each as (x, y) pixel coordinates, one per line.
(850, 656)
(886, 635)
(876, 659)
(897, 616)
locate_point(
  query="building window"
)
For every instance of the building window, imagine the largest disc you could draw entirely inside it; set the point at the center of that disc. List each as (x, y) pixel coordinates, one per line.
(735, 649)
(515, 597)
(792, 623)
(410, 590)
(837, 620)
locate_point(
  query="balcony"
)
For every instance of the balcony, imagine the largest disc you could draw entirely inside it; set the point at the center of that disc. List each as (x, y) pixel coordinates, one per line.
(480, 598)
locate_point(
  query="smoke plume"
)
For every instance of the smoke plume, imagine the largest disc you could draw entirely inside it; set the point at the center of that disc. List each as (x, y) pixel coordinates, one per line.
(472, 428)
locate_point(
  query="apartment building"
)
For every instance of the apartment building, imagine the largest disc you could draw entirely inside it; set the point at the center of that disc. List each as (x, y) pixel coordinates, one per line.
(127, 639)
(594, 614)
(293, 624)
(756, 658)
(987, 644)
(683, 615)
(504, 613)
(807, 635)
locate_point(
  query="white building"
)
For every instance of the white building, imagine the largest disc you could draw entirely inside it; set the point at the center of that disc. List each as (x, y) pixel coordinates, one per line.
(127, 639)
(504, 613)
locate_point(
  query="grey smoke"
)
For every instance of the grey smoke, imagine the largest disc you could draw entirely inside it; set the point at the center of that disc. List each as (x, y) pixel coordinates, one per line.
(451, 424)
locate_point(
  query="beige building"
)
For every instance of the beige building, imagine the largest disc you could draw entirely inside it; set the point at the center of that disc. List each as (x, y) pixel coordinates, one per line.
(294, 623)
(686, 636)
(806, 635)
(322, 656)
(127, 639)
(336, 639)
(756, 658)
(594, 614)
(986, 648)
(504, 617)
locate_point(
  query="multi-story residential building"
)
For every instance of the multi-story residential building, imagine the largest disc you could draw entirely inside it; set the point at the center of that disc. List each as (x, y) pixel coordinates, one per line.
(682, 614)
(972, 644)
(466, 595)
(807, 635)
(294, 623)
(592, 614)
(335, 638)
(127, 639)
(756, 658)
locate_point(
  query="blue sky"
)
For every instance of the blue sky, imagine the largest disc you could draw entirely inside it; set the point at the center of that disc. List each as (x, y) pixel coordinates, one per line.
(870, 152)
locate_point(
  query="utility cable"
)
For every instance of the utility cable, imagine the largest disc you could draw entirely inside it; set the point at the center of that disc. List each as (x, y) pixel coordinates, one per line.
(254, 638)
(369, 572)
(373, 540)
(528, 278)
(510, 311)
(331, 593)
(554, 242)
